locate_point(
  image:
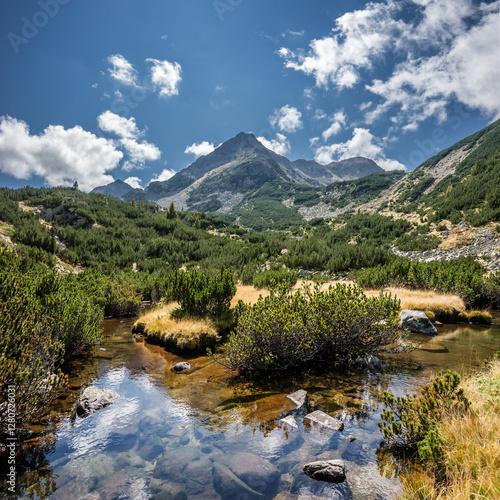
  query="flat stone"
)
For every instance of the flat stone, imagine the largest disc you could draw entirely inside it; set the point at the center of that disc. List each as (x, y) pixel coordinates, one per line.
(299, 397)
(331, 471)
(325, 420)
(290, 420)
(171, 465)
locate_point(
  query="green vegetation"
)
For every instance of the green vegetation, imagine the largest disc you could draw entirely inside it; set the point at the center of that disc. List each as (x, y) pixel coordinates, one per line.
(45, 318)
(272, 277)
(459, 436)
(202, 294)
(360, 191)
(288, 329)
(412, 422)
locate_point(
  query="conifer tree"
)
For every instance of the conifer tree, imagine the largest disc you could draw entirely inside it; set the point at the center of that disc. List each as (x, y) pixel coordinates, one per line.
(172, 212)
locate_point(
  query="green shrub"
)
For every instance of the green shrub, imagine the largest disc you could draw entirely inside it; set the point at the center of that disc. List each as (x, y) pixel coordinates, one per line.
(44, 319)
(29, 351)
(275, 276)
(412, 422)
(115, 296)
(290, 329)
(202, 294)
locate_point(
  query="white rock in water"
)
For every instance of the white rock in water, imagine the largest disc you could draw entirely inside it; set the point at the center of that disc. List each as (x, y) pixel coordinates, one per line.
(298, 397)
(325, 420)
(94, 399)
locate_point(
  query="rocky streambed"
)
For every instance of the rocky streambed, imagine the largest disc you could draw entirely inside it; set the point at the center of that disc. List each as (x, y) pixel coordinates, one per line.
(207, 433)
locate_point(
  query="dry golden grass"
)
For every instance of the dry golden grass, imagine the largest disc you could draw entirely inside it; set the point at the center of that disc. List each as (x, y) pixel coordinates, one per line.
(185, 334)
(410, 299)
(424, 299)
(471, 447)
(248, 294)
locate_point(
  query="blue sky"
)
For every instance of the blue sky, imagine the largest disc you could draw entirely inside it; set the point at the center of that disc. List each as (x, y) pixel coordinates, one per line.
(122, 89)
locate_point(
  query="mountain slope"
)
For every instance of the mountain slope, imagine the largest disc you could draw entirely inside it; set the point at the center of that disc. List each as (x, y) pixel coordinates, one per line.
(460, 182)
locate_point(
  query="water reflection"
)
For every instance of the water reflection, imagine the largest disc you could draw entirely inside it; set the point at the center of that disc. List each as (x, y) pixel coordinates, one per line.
(212, 434)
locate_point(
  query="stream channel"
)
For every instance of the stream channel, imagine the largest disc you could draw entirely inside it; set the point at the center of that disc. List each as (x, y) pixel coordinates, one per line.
(210, 434)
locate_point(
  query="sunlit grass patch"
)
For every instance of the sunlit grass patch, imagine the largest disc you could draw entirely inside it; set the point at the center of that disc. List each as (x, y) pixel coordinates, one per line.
(185, 334)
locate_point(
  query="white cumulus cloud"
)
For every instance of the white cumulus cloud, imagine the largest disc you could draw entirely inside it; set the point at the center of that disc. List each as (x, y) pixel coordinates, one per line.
(166, 76)
(280, 145)
(139, 152)
(363, 143)
(416, 57)
(469, 71)
(60, 156)
(134, 182)
(202, 149)
(286, 119)
(339, 119)
(163, 176)
(122, 71)
(116, 124)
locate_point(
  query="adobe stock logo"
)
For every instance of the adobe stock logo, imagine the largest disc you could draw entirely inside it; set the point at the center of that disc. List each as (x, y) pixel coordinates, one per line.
(31, 27)
(223, 6)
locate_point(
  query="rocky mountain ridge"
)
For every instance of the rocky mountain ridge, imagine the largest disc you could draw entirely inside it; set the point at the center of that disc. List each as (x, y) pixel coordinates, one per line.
(219, 181)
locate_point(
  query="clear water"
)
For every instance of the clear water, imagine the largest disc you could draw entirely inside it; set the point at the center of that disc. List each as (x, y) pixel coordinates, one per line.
(210, 434)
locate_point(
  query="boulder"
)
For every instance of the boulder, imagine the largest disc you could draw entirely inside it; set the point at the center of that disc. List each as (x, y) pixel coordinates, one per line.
(321, 418)
(298, 397)
(94, 399)
(182, 367)
(331, 471)
(417, 322)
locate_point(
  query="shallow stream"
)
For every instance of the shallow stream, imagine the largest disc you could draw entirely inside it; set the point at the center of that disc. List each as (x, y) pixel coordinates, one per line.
(209, 434)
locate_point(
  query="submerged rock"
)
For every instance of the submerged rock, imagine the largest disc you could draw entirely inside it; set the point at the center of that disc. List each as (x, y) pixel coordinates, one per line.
(325, 420)
(94, 399)
(182, 367)
(331, 471)
(150, 447)
(369, 362)
(230, 486)
(298, 397)
(255, 471)
(417, 322)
